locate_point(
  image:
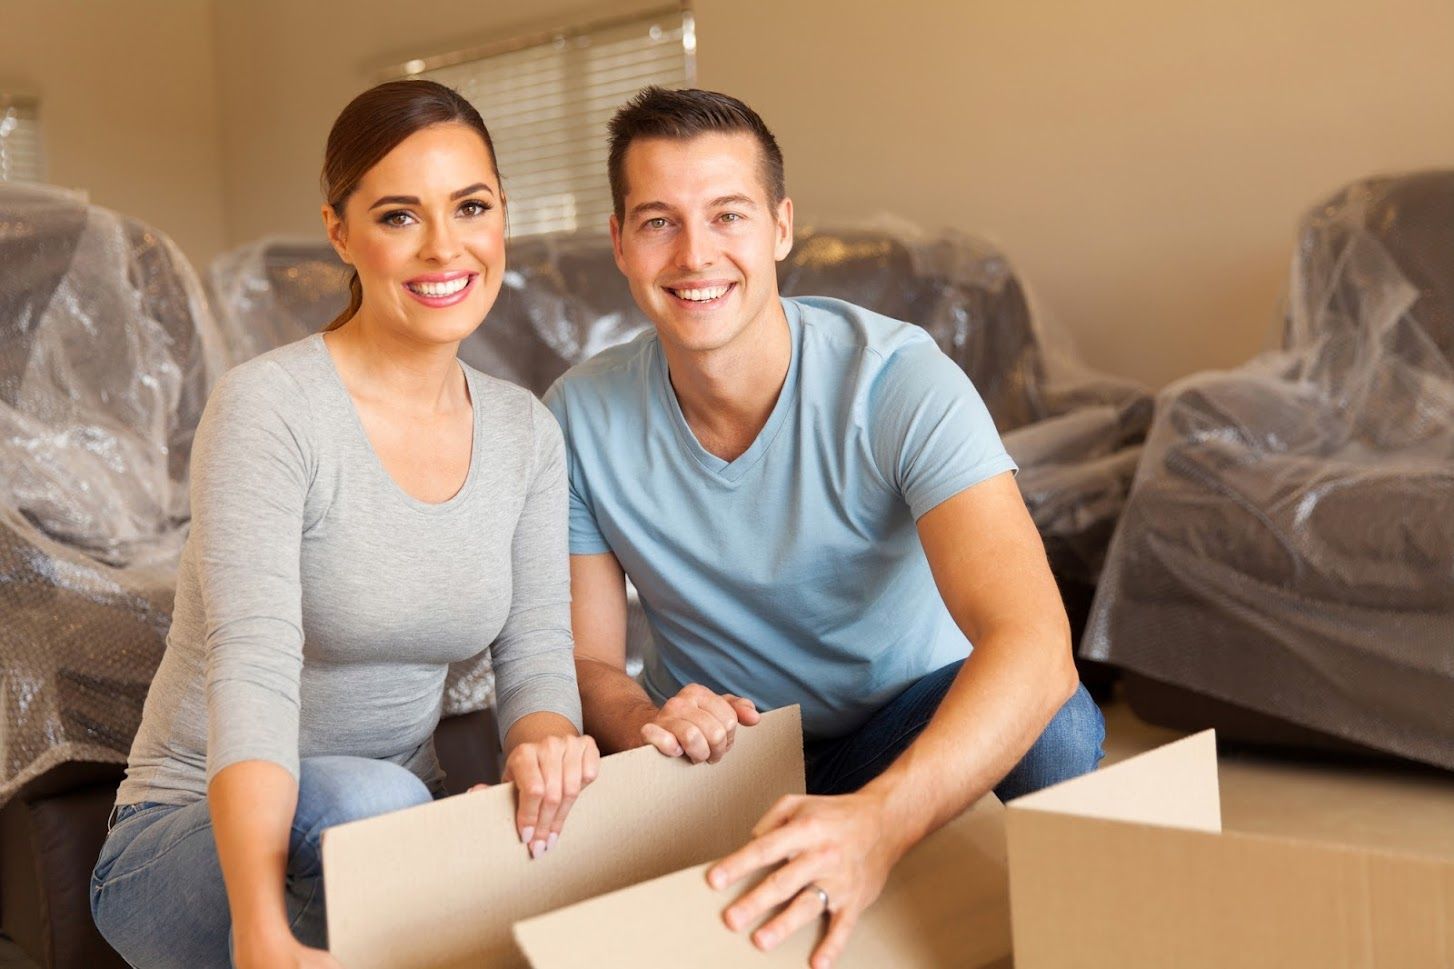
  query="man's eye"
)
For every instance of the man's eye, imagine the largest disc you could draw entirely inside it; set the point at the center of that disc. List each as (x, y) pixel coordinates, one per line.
(398, 218)
(657, 223)
(473, 208)
(731, 217)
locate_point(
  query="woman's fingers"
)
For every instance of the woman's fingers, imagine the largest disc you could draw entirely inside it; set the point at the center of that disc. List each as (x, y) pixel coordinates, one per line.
(524, 770)
(549, 776)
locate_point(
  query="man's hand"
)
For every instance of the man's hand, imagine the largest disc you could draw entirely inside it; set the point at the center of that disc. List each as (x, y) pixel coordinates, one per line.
(844, 845)
(698, 724)
(549, 774)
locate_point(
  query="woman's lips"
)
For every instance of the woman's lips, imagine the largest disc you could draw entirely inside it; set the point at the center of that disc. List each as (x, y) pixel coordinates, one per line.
(437, 299)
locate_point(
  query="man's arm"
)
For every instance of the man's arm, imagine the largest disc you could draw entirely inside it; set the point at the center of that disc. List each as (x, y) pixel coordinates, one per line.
(696, 723)
(990, 567)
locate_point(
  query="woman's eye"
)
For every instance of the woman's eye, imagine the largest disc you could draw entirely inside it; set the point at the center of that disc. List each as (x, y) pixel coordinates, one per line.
(397, 219)
(473, 208)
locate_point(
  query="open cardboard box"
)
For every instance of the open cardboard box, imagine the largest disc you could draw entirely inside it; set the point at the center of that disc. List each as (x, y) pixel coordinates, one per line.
(449, 885)
(1130, 868)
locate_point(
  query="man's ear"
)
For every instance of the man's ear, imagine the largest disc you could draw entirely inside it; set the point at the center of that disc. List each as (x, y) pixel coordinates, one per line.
(337, 238)
(616, 244)
(784, 228)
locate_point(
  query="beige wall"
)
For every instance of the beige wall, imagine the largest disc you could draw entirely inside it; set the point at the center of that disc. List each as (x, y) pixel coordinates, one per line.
(128, 106)
(287, 68)
(1142, 162)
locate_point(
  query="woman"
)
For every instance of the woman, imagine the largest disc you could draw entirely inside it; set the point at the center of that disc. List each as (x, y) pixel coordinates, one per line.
(366, 510)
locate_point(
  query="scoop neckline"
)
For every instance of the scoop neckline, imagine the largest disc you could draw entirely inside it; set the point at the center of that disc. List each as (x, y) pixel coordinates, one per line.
(346, 399)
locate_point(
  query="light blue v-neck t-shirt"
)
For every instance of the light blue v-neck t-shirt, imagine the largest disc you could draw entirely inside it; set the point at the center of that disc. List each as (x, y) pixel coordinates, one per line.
(793, 574)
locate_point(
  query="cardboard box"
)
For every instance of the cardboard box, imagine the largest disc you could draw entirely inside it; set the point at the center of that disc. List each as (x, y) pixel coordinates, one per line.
(443, 885)
(1130, 868)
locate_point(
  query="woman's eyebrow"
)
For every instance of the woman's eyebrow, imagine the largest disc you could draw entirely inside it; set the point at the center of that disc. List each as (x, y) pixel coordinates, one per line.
(414, 199)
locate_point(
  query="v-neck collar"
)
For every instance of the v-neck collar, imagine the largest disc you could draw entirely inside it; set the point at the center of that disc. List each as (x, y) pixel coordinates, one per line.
(732, 471)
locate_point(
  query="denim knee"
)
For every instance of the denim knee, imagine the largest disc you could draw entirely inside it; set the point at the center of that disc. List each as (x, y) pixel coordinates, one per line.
(336, 790)
(1069, 747)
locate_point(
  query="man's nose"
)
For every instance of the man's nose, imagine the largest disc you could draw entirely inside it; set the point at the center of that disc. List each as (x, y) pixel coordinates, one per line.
(695, 248)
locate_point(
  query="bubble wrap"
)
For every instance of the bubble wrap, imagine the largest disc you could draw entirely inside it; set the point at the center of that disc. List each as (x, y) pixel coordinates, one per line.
(107, 352)
(1076, 434)
(1288, 545)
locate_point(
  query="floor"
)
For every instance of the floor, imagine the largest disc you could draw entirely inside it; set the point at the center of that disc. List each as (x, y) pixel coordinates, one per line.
(1401, 808)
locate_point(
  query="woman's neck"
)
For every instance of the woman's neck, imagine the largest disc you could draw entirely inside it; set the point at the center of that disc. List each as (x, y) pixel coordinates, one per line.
(379, 364)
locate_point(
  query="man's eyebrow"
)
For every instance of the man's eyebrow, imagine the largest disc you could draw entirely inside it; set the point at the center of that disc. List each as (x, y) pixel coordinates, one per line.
(742, 200)
(745, 201)
(645, 207)
(414, 199)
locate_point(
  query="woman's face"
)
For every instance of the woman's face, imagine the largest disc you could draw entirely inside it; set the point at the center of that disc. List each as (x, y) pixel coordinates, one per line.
(425, 229)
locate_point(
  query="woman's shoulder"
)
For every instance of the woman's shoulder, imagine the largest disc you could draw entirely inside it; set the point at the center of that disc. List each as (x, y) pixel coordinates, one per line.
(509, 410)
(276, 386)
(291, 366)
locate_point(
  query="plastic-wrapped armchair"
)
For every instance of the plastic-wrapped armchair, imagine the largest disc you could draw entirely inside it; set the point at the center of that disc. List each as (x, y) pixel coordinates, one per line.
(1075, 434)
(1284, 570)
(106, 357)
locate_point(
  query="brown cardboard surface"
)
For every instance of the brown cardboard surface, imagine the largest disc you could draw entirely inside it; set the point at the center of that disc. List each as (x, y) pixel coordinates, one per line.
(439, 886)
(1139, 879)
(944, 905)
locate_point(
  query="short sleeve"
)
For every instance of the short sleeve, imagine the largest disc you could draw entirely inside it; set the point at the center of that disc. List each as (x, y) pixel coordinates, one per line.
(585, 532)
(932, 436)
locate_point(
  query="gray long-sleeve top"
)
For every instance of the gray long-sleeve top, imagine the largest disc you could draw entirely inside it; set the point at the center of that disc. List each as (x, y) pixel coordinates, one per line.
(319, 605)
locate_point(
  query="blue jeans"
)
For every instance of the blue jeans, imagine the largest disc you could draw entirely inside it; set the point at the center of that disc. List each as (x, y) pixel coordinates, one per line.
(1069, 747)
(157, 893)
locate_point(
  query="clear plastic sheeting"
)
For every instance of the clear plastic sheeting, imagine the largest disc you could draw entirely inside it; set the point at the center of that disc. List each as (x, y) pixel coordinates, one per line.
(1075, 433)
(107, 353)
(1289, 542)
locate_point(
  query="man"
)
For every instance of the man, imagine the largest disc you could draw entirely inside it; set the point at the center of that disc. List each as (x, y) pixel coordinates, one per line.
(815, 508)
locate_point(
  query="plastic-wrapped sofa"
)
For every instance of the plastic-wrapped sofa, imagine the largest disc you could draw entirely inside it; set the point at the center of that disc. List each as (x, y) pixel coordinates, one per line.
(1284, 570)
(107, 353)
(1075, 433)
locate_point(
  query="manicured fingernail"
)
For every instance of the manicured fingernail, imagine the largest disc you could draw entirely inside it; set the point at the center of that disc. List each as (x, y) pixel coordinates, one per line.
(537, 848)
(765, 939)
(526, 834)
(714, 878)
(550, 841)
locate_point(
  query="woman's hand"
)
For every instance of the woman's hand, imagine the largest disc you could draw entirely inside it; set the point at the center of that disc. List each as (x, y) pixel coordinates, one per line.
(549, 767)
(287, 952)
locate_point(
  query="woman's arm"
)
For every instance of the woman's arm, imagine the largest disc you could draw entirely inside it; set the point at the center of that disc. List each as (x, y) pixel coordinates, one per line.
(250, 472)
(252, 805)
(539, 704)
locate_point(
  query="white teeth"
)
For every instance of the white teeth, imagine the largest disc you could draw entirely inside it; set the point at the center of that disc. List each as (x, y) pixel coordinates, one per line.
(440, 289)
(701, 295)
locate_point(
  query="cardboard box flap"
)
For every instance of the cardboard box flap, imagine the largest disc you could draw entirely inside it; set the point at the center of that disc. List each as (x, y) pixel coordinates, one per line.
(1100, 881)
(440, 885)
(1174, 786)
(946, 904)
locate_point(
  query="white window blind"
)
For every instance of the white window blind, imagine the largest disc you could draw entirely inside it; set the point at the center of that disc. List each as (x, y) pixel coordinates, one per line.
(20, 158)
(547, 100)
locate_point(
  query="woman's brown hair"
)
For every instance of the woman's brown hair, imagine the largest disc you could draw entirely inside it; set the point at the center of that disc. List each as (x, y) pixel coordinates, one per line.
(372, 125)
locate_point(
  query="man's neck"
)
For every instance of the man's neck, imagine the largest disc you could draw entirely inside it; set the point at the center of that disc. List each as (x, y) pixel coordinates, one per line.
(727, 394)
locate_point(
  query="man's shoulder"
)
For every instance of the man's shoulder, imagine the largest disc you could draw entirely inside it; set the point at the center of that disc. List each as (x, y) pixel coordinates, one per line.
(841, 326)
(614, 375)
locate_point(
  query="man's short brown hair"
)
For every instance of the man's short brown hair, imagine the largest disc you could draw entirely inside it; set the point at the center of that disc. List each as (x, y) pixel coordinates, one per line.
(683, 114)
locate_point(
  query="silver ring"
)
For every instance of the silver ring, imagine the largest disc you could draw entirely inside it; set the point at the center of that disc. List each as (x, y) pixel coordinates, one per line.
(822, 895)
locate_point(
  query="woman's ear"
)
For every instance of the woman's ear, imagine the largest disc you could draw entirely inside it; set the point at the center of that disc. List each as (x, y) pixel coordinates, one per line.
(337, 237)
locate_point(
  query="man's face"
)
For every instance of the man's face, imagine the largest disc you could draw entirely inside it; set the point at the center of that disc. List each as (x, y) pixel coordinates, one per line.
(700, 238)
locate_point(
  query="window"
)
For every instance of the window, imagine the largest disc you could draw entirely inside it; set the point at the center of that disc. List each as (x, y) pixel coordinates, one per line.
(20, 159)
(547, 100)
